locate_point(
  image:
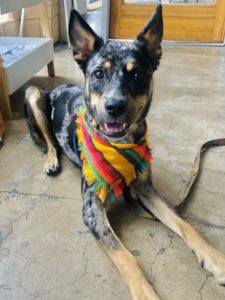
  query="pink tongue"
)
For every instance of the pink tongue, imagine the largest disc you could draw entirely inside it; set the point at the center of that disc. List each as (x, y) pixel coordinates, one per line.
(114, 127)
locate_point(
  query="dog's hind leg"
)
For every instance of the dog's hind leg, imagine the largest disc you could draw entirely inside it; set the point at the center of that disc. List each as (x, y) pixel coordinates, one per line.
(36, 116)
(96, 219)
(209, 257)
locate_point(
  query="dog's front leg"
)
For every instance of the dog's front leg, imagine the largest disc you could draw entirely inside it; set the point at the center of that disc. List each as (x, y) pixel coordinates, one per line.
(209, 257)
(95, 218)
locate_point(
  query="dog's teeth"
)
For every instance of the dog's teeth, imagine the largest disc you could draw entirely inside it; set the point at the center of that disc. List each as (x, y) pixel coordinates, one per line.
(115, 127)
(124, 125)
(107, 127)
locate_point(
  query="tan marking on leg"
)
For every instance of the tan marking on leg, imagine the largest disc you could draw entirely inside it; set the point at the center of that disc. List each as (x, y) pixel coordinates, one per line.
(38, 105)
(131, 273)
(129, 269)
(214, 260)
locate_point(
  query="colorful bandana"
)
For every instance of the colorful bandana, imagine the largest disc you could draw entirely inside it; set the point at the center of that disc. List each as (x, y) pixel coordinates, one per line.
(109, 167)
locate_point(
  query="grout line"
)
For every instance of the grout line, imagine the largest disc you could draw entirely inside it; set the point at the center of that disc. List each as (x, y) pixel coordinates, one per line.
(39, 195)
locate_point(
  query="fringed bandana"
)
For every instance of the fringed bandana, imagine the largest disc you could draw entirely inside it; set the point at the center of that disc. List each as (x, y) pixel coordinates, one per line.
(109, 167)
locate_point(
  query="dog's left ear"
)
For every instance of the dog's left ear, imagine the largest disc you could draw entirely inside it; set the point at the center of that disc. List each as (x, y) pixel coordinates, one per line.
(83, 39)
(151, 35)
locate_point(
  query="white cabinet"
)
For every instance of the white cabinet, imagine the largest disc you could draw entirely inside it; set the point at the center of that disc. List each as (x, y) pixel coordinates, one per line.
(19, 68)
(14, 72)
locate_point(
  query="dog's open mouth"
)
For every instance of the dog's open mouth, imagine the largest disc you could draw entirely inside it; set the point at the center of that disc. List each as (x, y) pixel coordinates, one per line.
(115, 129)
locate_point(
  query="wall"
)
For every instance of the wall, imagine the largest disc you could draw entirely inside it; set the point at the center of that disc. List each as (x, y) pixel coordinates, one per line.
(32, 20)
(9, 23)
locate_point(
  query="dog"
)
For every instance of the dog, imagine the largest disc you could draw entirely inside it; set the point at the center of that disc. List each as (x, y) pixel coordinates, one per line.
(111, 111)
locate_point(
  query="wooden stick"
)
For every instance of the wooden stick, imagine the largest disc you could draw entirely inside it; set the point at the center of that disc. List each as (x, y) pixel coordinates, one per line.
(5, 106)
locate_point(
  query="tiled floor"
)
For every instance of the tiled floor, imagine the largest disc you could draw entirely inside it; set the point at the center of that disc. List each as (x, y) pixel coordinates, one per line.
(47, 253)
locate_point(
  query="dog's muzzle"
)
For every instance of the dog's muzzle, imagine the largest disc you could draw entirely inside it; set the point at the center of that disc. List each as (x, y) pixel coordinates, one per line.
(115, 109)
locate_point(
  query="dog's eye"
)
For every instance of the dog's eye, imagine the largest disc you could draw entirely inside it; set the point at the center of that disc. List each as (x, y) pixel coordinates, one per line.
(99, 74)
(138, 75)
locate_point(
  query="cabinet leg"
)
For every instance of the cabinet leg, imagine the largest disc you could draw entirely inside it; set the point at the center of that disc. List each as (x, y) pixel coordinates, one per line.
(5, 106)
(51, 69)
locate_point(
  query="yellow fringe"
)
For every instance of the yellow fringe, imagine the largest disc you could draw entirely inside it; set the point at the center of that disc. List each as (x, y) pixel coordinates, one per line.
(102, 194)
(89, 176)
(101, 191)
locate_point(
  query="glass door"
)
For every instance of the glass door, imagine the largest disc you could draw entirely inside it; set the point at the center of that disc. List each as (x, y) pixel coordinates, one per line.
(184, 20)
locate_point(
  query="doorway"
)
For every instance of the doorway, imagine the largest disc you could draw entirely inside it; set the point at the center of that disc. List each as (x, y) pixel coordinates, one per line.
(184, 20)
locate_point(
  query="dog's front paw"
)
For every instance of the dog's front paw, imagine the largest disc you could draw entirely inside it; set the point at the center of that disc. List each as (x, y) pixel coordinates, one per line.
(214, 262)
(219, 269)
(52, 167)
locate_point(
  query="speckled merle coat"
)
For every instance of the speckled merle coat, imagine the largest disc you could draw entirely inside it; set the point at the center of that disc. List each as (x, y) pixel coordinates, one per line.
(118, 93)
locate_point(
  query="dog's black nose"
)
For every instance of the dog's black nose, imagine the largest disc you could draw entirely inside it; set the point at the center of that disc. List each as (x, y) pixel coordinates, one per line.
(115, 108)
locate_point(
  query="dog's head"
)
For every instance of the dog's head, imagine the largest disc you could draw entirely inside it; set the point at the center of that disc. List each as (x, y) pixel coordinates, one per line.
(118, 87)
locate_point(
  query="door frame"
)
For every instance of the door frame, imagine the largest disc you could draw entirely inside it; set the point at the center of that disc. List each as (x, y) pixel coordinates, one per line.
(105, 19)
(209, 29)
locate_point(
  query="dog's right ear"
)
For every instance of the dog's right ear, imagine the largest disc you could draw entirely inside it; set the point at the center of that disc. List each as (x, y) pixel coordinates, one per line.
(151, 36)
(83, 39)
